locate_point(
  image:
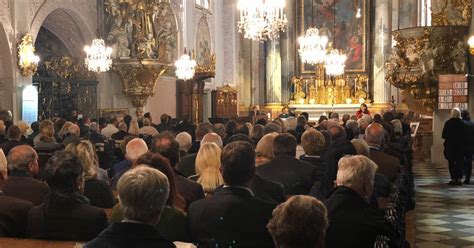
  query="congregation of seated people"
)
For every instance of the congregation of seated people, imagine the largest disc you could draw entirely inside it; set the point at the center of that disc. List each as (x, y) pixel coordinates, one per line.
(287, 182)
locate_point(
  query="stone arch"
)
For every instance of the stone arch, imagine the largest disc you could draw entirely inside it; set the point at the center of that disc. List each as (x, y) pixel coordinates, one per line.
(67, 23)
(6, 71)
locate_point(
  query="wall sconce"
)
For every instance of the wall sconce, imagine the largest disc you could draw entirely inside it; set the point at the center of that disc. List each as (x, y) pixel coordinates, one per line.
(471, 44)
(27, 60)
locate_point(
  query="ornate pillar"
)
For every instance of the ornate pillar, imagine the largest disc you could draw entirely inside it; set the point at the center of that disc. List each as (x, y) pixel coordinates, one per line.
(273, 99)
(381, 50)
(288, 55)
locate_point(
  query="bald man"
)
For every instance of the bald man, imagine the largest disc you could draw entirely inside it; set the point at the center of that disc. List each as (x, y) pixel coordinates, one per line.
(23, 166)
(133, 150)
(388, 166)
(187, 164)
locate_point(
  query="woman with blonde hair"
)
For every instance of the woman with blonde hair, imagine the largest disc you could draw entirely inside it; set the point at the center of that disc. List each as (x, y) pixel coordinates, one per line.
(264, 149)
(97, 187)
(208, 162)
(45, 140)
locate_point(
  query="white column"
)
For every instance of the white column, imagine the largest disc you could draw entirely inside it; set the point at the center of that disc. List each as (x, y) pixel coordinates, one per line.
(381, 49)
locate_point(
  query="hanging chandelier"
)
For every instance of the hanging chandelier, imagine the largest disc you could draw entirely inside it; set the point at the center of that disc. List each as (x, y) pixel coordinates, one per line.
(312, 47)
(98, 56)
(261, 19)
(335, 63)
(185, 67)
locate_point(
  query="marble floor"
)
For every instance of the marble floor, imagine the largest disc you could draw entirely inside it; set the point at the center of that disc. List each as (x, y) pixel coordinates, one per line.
(444, 215)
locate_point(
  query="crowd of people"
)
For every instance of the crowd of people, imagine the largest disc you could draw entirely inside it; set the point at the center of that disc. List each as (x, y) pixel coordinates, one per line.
(121, 182)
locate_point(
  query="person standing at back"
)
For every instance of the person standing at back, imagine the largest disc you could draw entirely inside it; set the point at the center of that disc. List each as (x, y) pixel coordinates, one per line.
(454, 135)
(466, 116)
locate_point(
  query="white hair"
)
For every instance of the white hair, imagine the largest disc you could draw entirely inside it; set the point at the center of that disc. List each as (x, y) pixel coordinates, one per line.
(135, 148)
(354, 171)
(184, 140)
(212, 138)
(362, 148)
(456, 113)
(397, 126)
(143, 192)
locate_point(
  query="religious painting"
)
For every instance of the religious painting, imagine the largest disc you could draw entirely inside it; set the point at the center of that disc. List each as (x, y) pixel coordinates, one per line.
(165, 29)
(203, 43)
(344, 22)
(117, 112)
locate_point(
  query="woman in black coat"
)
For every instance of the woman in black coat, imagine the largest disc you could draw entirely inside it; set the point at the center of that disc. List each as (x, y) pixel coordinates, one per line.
(454, 145)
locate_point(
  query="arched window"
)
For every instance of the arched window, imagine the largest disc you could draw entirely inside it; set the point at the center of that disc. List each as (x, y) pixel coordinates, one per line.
(30, 104)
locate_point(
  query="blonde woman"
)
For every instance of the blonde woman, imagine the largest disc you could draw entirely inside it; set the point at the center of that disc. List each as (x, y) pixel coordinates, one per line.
(208, 162)
(45, 140)
(264, 149)
(97, 187)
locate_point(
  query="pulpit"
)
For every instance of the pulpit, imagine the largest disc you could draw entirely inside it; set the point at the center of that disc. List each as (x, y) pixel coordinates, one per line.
(189, 97)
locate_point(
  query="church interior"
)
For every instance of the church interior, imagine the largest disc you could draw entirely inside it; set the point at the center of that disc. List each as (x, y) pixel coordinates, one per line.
(263, 123)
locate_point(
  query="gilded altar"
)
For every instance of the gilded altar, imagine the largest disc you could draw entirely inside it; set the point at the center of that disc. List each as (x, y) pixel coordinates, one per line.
(323, 90)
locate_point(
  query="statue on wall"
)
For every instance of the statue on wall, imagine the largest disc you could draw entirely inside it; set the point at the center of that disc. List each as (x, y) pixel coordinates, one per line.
(458, 56)
(427, 57)
(142, 29)
(451, 12)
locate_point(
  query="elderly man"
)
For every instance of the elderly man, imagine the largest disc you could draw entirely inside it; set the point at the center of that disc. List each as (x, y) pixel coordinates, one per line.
(13, 211)
(232, 216)
(142, 206)
(23, 166)
(307, 228)
(187, 164)
(388, 166)
(134, 149)
(352, 222)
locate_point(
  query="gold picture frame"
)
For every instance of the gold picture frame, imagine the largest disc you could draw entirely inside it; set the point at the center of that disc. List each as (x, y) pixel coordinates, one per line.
(113, 111)
(359, 43)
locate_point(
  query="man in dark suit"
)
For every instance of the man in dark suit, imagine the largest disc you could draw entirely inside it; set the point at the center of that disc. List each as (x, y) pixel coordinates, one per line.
(168, 147)
(23, 162)
(202, 129)
(14, 139)
(296, 176)
(388, 166)
(142, 205)
(164, 124)
(233, 216)
(469, 150)
(187, 164)
(13, 211)
(352, 221)
(186, 125)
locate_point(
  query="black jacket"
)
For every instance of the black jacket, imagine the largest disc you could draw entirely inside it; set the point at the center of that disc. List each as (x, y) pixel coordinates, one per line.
(470, 136)
(267, 190)
(187, 165)
(127, 234)
(454, 135)
(99, 193)
(195, 147)
(13, 214)
(120, 135)
(71, 219)
(352, 222)
(7, 146)
(232, 217)
(296, 176)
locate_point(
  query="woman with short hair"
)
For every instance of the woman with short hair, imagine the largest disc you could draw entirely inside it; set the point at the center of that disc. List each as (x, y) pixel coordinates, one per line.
(264, 149)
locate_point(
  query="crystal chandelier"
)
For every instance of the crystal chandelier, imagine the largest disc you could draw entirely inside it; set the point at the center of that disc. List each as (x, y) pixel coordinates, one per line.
(261, 19)
(312, 47)
(98, 56)
(335, 63)
(185, 67)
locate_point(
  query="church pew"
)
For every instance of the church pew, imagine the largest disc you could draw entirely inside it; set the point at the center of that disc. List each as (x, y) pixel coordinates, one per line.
(36, 243)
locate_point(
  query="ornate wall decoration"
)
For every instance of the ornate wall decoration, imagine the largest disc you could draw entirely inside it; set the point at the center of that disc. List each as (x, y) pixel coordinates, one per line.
(350, 32)
(420, 55)
(203, 42)
(451, 12)
(143, 30)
